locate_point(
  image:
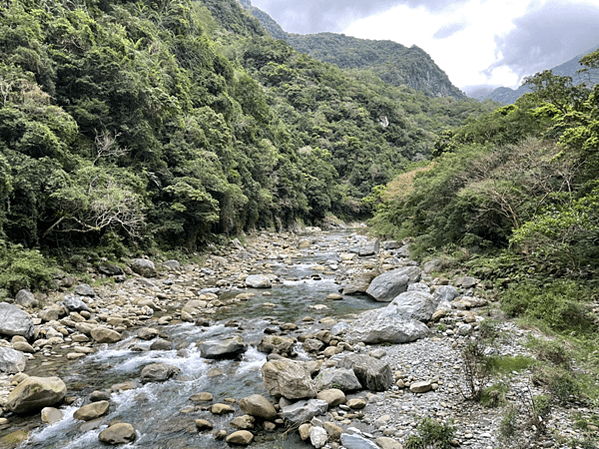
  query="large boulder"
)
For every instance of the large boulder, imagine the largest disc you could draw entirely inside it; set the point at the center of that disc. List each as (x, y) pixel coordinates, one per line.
(26, 299)
(384, 326)
(258, 281)
(372, 373)
(14, 321)
(258, 406)
(11, 361)
(34, 393)
(288, 378)
(158, 372)
(413, 305)
(388, 285)
(227, 348)
(143, 267)
(302, 411)
(343, 379)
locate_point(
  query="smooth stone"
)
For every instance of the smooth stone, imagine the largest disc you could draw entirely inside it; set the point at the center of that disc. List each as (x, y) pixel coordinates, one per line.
(240, 438)
(50, 415)
(92, 411)
(120, 433)
(257, 405)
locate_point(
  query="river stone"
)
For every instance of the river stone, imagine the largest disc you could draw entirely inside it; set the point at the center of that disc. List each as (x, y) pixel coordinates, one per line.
(332, 396)
(343, 379)
(301, 411)
(304, 431)
(388, 443)
(203, 424)
(53, 312)
(120, 433)
(104, 335)
(147, 333)
(358, 284)
(413, 305)
(421, 387)
(203, 396)
(143, 267)
(381, 326)
(258, 281)
(257, 405)
(370, 248)
(356, 442)
(318, 436)
(35, 393)
(75, 303)
(158, 372)
(244, 422)
(110, 269)
(388, 285)
(12, 361)
(221, 409)
(26, 299)
(85, 290)
(312, 345)
(288, 378)
(372, 373)
(277, 344)
(161, 345)
(223, 349)
(240, 438)
(14, 321)
(92, 411)
(22, 346)
(446, 293)
(50, 415)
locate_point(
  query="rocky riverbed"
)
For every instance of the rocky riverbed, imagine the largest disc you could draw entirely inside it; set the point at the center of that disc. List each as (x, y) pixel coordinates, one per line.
(343, 339)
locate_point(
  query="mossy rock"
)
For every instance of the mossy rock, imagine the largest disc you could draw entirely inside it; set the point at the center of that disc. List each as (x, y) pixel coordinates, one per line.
(13, 439)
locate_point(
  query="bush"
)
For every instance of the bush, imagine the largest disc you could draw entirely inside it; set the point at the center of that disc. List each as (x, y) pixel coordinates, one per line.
(24, 268)
(552, 351)
(431, 434)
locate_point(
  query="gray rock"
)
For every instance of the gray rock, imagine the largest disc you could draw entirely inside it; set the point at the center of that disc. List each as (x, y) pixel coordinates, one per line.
(388, 285)
(372, 373)
(158, 372)
(257, 405)
(53, 312)
(223, 349)
(143, 267)
(75, 303)
(172, 264)
(419, 286)
(302, 411)
(14, 321)
(377, 326)
(35, 393)
(370, 248)
(85, 290)
(391, 244)
(356, 442)
(161, 345)
(343, 379)
(413, 305)
(277, 344)
(467, 282)
(446, 293)
(258, 281)
(318, 436)
(110, 269)
(404, 251)
(12, 361)
(358, 283)
(464, 329)
(288, 378)
(26, 299)
(147, 333)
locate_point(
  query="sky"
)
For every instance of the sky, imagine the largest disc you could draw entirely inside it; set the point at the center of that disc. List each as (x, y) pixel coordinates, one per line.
(476, 42)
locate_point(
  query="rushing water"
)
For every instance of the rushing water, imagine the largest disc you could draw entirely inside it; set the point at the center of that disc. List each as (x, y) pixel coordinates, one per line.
(162, 413)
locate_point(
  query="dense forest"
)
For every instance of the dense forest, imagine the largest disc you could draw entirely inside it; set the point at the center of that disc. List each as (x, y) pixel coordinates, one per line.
(129, 127)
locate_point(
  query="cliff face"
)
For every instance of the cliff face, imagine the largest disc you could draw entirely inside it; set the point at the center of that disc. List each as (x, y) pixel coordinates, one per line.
(392, 62)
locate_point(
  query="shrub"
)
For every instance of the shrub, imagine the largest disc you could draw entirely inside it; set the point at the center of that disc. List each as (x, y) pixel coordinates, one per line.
(494, 395)
(552, 351)
(24, 268)
(431, 434)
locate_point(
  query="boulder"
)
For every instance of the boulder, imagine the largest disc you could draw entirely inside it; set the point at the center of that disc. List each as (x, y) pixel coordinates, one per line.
(158, 372)
(318, 436)
(34, 393)
(12, 361)
(343, 379)
(302, 411)
(372, 373)
(358, 284)
(258, 406)
(147, 333)
(357, 442)
(414, 305)
(277, 344)
(143, 267)
(288, 378)
(446, 293)
(203, 424)
(244, 422)
(388, 285)
(92, 411)
(258, 281)
(161, 345)
(240, 438)
(104, 335)
(53, 312)
(369, 248)
(14, 321)
(50, 415)
(26, 299)
(120, 433)
(332, 396)
(227, 348)
(75, 303)
(380, 326)
(110, 269)
(85, 290)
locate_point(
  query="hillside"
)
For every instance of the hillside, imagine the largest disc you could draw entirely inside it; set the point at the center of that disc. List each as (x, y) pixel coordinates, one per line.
(392, 62)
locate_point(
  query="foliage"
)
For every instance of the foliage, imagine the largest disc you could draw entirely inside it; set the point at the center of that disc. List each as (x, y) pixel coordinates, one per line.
(22, 268)
(431, 434)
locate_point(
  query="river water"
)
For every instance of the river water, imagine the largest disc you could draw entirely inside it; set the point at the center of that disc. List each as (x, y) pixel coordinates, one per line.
(162, 413)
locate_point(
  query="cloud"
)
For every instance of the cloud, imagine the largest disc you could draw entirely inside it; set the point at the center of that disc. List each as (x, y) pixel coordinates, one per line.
(314, 16)
(449, 30)
(546, 37)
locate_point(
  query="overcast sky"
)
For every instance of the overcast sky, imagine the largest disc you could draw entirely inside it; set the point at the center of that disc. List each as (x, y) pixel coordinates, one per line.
(476, 42)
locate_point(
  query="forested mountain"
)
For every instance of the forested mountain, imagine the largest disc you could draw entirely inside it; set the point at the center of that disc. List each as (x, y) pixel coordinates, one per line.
(133, 126)
(392, 62)
(506, 95)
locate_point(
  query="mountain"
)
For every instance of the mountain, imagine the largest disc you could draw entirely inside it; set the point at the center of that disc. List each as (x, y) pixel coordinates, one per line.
(392, 62)
(505, 95)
